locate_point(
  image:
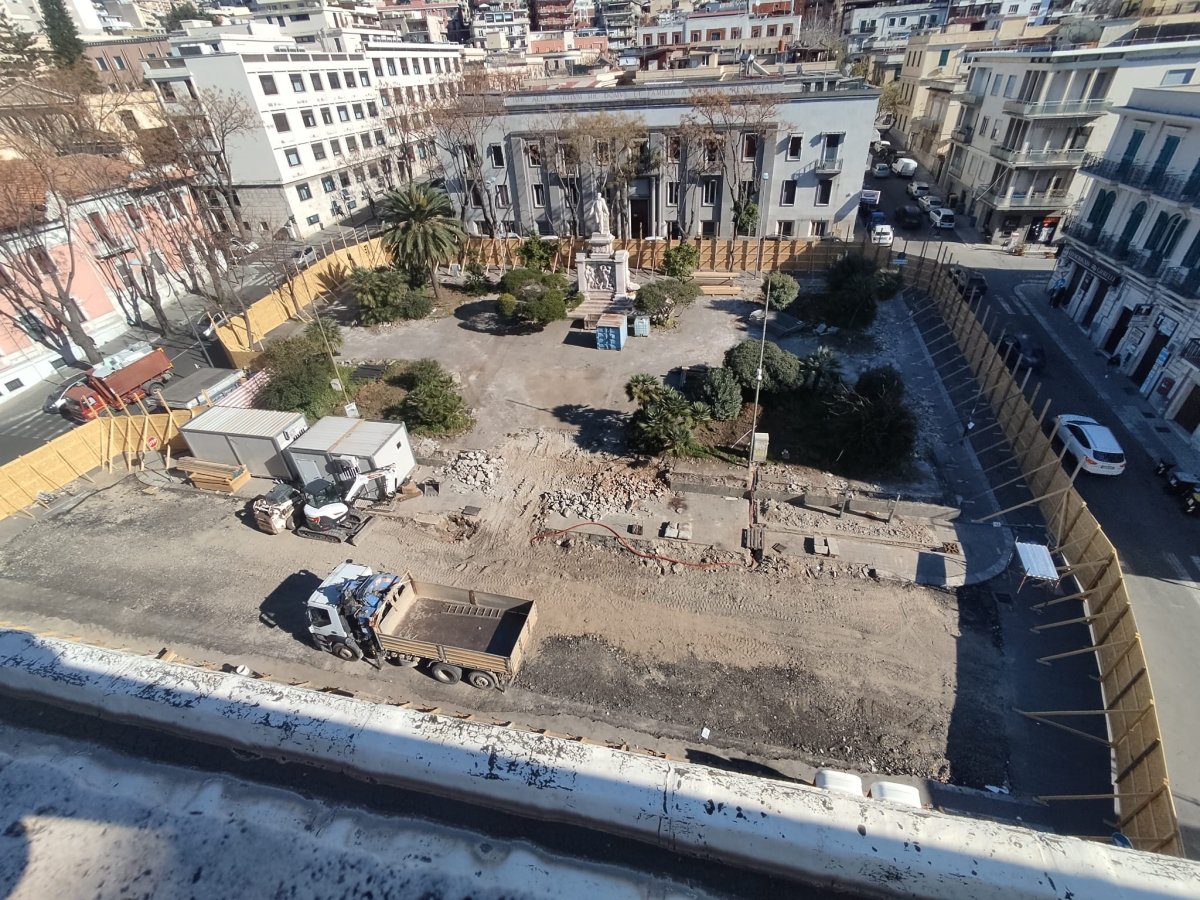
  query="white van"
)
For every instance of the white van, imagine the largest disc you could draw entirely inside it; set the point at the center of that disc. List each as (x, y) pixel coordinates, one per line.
(904, 167)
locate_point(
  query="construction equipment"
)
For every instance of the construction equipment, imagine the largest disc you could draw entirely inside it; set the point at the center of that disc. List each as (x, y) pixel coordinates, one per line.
(120, 380)
(323, 511)
(456, 633)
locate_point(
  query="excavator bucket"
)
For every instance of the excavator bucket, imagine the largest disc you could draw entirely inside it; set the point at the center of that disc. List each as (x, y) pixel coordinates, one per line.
(360, 529)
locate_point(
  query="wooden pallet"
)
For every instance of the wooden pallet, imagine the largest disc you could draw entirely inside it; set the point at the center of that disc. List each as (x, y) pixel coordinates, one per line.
(213, 476)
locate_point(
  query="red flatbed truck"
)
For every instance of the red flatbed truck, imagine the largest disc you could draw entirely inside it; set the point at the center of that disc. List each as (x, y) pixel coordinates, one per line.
(121, 380)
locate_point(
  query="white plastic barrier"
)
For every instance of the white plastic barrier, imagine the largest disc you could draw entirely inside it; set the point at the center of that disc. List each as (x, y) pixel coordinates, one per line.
(791, 830)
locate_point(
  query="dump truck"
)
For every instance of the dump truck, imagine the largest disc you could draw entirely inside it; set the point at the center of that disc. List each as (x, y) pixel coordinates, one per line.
(456, 634)
(118, 381)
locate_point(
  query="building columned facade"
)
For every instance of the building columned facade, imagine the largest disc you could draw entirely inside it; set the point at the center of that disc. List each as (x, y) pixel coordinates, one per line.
(801, 165)
(1130, 272)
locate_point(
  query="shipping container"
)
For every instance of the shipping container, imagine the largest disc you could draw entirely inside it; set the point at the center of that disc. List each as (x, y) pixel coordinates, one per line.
(612, 329)
(254, 438)
(372, 445)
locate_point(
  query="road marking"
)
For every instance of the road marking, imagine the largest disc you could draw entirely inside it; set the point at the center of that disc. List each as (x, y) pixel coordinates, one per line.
(1196, 562)
(1179, 568)
(1004, 306)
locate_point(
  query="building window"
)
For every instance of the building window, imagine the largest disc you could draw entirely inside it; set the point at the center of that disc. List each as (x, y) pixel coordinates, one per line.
(304, 192)
(943, 58)
(674, 146)
(134, 215)
(343, 114)
(281, 122)
(495, 154)
(313, 220)
(824, 192)
(380, 140)
(268, 84)
(350, 82)
(672, 193)
(335, 147)
(785, 229)
(708, 192)
(695, 37)
(787, 196)
(307, 117)
(772, 30)
(714, 35)
(391, 66)
(315, 78)
(293, 156)
(1177, 76)
(102, 64)
(351, 144)
(647, 40)
(787, 30)
(735, 34)
(328, 185)
(42, 260)
(534, 152)
(477, 195)
(795, 146)
(749, 147)
(755, 31)
(817, 228)
(377, 64)
(326, 115)
(119, 62)
(428, 66)
(404, 67)
(335, 82)
(708, 228)
(539, 195)
(358, 111)
(318, 151)
(364, 78)
(372, 110)
(13, 385)
(298, 83)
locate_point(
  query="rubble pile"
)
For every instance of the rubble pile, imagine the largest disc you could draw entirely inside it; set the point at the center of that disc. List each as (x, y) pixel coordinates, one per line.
(473, 471)
(773, 512)
(612, 492)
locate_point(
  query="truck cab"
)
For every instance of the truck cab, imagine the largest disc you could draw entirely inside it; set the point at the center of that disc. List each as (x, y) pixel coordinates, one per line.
(330, 629)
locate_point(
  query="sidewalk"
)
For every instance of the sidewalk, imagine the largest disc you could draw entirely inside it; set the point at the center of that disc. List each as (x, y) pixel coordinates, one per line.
(1159, 437)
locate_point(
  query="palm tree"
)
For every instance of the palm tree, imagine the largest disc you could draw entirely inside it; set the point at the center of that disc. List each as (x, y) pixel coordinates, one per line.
(822, 368)
(420, 228)
(643, 388)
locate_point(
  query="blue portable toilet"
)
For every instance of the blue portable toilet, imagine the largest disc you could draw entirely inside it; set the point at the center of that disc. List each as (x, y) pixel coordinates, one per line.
(611, 331)
(641, 326)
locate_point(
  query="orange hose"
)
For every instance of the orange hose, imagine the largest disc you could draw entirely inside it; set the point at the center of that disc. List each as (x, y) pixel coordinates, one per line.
(628, 546)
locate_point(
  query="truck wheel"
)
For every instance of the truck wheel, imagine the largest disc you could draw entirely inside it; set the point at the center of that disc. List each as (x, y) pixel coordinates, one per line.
(482, 680)
(445, 673)
(346, 651)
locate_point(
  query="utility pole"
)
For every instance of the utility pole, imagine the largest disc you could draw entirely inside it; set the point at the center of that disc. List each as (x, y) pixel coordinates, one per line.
(758, 377)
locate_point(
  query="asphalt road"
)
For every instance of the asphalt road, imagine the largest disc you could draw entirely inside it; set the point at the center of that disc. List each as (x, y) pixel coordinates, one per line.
(1159, 546)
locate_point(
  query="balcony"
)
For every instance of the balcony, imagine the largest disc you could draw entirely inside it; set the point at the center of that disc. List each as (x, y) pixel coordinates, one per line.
(1170, 185)
(1026, 199)
(1032, 159)
(1115, 247)
(943, 83)
(1148, 263)
(963, 135)
(829, 166)
(1084, 232)
(1057, 109)
(924, 123)
(1183, 282)
(966, 97)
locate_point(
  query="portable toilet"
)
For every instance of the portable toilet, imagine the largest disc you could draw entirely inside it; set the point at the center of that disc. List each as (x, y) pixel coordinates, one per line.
(611, 331)
(641, 326)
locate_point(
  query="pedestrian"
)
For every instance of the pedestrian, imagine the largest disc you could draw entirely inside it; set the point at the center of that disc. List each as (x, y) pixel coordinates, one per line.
(967, 429)
(1113, 364)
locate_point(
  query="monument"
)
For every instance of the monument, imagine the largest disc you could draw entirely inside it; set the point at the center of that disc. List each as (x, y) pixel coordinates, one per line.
(602, 272)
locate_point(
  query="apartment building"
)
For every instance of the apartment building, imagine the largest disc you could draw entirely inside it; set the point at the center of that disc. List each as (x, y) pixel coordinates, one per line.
(802, 167)
(872, 27)
(933, 79)
(499, 26)
(1130, 273)
(552, 15)
(1028, 117)
(734, 27)
(619, 18)
(334, 128)
(118, 60)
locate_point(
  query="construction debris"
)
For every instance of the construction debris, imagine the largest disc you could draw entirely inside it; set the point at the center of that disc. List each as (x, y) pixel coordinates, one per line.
(471, 472)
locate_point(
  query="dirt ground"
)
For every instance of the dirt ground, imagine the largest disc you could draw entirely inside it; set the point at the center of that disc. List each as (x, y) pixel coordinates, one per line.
(877, 676)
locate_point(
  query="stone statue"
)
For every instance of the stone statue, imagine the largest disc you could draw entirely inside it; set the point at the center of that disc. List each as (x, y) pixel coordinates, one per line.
(598, 213)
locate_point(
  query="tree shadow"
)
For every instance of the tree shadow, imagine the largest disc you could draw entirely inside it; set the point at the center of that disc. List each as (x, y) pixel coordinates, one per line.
(594, 427)
(284, 607)
(333, 277)
(481, 317)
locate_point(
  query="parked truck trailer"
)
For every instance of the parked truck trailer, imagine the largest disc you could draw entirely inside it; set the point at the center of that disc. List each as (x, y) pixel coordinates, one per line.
(457, 634)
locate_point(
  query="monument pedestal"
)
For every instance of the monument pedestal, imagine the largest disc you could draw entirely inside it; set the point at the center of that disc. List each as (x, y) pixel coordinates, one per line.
(604, 277)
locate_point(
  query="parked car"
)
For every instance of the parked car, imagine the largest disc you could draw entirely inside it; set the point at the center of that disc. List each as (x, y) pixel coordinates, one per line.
(940, 217)
(1090, 444)
(882, 235)
(1021, 351)
(881, 170)
(305, 257)
(58, 397)
(904, 167)
(917, 189)
(969, 282)
(242, 248)
(929, 201)
(910, 217)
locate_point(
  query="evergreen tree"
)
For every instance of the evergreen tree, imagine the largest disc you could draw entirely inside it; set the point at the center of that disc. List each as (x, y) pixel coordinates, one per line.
(65, 46)
(19, 54)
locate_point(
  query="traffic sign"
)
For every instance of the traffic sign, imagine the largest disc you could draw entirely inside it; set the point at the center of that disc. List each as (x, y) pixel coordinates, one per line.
(152, 442)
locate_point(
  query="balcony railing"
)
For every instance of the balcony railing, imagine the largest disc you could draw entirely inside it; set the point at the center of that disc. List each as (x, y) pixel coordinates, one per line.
(1026, 199)
(943, 83)
(829, 166)
(1115, 247)
(965, 97)
(1033, 158)
(1148, 263)
(963, 135)
(1027, 109)
(924, 123)
(1170, 185)
(1084, 232)
(1182, 281)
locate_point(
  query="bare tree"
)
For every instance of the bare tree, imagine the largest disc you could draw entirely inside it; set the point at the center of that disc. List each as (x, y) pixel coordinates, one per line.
(819, 37)
(725, 135)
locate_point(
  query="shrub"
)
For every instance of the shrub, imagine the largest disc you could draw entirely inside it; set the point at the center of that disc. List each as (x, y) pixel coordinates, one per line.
(539, 297)
(513, 280)
(665, 419)
(435, 407)
(325, 331)
(781, 370)
(543, 308)
(660, 299)
(869, 434)
(681, 261)
(535, 253)
(881, 383)
(476, 281)
(413, 304)
(409, 375)
(783, 289)
(723, 394)
(387, 295)
(300, 370)
(506, 304)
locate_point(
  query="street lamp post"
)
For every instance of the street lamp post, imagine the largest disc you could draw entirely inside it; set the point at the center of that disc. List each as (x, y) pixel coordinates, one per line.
(758, 376)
